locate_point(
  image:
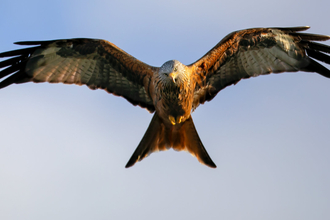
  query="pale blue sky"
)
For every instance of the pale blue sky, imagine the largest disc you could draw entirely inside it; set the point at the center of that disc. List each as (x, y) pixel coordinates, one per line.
(63, 148)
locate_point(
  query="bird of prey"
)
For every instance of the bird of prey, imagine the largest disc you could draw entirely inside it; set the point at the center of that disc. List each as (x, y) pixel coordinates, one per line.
(174, 90)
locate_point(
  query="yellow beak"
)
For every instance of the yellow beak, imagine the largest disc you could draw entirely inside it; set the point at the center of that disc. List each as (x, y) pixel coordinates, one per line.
(173, 76)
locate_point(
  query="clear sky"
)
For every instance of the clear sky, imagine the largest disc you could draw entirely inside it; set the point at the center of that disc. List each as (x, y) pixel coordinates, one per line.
(63, 148)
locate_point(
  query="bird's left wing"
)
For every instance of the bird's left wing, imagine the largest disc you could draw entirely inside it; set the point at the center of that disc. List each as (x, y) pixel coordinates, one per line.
(98, 64)
(257, 51)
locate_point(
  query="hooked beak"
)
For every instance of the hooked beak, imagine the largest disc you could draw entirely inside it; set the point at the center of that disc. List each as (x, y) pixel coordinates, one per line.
(173, 76)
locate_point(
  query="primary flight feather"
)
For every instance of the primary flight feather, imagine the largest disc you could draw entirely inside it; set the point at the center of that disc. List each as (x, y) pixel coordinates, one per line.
(173, 90)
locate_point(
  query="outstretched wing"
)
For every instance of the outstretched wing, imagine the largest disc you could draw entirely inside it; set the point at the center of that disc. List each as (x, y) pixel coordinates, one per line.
(98, 64)
(258, 51)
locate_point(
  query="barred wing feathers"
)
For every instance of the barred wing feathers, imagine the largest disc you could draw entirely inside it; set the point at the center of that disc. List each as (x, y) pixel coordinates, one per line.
(258, 51)
(98, 64)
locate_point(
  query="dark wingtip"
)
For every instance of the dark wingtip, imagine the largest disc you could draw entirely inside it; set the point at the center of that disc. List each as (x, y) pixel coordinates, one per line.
(318, 47)
(319, 56)
(318, 68)
(13, 68)
(32, 42)
(24, 51)
(20, 76)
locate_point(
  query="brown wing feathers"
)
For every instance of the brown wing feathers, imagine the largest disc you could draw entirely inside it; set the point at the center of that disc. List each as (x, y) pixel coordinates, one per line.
(102, 65)
(258, 51)
(95, 63)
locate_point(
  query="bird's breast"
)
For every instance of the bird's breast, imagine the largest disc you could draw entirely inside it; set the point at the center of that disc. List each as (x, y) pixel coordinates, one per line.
(173, 103)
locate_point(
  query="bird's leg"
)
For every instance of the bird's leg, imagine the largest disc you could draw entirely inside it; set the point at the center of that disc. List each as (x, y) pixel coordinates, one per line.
(174, 121)
(179, 119)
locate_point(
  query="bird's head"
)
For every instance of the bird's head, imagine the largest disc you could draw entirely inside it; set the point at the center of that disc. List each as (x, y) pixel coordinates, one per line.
(173, 72)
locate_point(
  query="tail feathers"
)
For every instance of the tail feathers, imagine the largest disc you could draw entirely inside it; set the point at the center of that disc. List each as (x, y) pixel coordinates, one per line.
(153, 140)
(190, 141)
(159, 137)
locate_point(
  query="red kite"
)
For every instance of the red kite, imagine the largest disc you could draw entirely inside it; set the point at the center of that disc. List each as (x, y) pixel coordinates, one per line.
(173, 90)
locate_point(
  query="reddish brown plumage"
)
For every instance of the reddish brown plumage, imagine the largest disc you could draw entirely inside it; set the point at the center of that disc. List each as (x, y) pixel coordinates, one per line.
(162, 136)
(228, 52)
(174, 90)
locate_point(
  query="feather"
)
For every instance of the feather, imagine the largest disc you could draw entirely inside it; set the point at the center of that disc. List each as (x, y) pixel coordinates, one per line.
(307, 36)
(160, 136)
(318, 55)
(18, 52)
(11, 61)
(34, 42)
(316, 67)
(293, 29)
(9, 70)
(318, 46)
(100, 64)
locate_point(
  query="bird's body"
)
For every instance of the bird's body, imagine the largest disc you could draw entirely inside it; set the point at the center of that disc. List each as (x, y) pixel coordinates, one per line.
(174, 90)
(172, 125)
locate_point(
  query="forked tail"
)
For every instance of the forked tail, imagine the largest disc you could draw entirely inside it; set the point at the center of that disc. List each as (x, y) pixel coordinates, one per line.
(159, 137)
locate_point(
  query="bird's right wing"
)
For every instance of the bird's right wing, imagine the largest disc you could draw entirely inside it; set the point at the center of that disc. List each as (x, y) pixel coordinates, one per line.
(98, 64)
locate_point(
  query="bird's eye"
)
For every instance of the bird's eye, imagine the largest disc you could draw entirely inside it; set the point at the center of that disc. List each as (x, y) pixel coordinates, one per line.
(175, 69)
